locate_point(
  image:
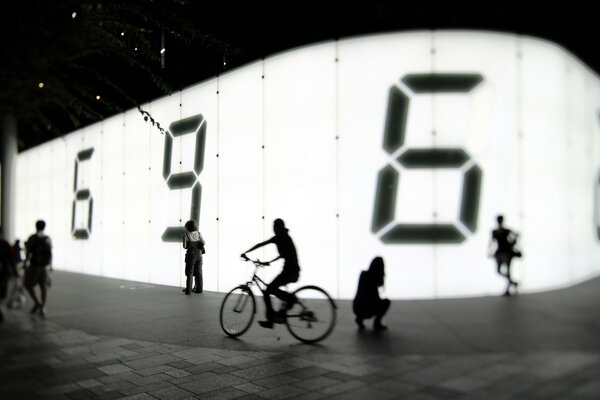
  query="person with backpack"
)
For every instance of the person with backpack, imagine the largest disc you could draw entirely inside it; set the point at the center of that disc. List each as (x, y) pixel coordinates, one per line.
(194, 245)
(37, 266)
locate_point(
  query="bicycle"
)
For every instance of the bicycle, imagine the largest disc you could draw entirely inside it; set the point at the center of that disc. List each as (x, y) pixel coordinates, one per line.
(310, 319)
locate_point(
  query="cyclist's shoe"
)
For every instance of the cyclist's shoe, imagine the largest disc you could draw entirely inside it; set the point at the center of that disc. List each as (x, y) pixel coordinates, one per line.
(266, 324)
(35, 309)
(378, 326)
(360, 324)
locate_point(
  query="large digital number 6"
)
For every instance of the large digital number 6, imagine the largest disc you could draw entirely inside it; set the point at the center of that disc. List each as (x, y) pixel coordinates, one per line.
(387, 181)
(183, 180)
(82, 195)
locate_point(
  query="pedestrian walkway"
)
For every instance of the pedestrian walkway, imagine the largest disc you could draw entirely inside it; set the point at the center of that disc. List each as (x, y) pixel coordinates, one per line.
(106, 339)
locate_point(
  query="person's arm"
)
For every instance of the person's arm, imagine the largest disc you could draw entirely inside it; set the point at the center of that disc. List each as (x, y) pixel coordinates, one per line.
(275, 259)
(27, 251)
(184, 241)
(201, 240)
(50, 247)
(491, 246)
(259, 245)
(512, 237)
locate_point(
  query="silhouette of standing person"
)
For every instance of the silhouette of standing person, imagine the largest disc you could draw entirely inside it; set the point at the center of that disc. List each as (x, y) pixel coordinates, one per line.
(289, 274)
(367, 302)
(38, 264)
(194, 244)
(505, 251)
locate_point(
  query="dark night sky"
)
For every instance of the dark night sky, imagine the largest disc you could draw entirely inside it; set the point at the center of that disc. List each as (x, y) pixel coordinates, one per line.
(259, 28)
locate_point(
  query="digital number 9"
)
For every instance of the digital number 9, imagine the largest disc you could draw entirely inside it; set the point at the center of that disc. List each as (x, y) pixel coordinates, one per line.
(195, 125)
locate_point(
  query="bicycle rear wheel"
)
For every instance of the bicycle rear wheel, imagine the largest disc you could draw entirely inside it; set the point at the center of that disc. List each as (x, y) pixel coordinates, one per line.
(313, 316)
(237, 311)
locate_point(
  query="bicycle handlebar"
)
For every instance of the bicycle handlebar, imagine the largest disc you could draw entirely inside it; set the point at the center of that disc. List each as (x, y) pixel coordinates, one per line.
(256, 262)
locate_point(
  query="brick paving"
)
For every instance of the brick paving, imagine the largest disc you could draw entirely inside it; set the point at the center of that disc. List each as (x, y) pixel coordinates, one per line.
(43, 358)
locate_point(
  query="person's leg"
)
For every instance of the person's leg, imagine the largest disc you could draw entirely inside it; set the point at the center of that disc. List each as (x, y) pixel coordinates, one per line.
(499, 266)
(198, 274)
(188, 273)
(359, 321)
(44, 291)
(29, 282)
(287, 297)
(273, 288)
(511, 282)
(382, 309)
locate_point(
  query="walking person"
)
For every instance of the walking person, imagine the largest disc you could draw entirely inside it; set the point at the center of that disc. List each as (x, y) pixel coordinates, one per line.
(38, 264)
(505, 251)
(367, 303)
(194, 244)
(16, 297)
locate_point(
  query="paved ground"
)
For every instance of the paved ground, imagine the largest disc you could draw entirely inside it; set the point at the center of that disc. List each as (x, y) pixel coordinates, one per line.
(106, 339)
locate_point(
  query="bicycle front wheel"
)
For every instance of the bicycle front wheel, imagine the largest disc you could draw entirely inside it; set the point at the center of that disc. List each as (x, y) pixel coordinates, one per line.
(237, 311)
(313, 316)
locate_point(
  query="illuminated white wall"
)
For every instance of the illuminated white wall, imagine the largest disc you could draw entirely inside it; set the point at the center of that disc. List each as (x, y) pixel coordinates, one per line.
(301, 136)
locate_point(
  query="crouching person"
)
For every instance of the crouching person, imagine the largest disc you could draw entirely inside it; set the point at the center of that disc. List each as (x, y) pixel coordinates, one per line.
(367, 303)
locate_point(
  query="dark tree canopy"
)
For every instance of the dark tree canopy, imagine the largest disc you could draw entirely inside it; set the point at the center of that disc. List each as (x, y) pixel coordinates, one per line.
(58, 56)
(93, 52)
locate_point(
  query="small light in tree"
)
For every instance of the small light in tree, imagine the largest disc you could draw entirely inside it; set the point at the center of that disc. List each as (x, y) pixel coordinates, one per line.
(97, 97)
(162, 51)
(73, 15)
(135, 49)
(41, 85)
(122, 33)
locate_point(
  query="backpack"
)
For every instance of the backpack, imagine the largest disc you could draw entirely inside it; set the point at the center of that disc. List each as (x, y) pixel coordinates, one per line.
(40, 249)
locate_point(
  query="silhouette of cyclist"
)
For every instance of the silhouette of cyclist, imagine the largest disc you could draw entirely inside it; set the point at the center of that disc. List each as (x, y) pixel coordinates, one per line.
(289, 274)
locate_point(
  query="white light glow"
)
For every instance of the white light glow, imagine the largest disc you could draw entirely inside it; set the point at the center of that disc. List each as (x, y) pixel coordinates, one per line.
(300, 136)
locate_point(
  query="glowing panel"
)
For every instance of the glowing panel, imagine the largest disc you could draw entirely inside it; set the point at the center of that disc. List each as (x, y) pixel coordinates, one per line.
(405, 146)
(301, 158)
(165, 204)
(200, 157)
(112, 212)
(137, 215)
(241, 201)
(372, 101)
